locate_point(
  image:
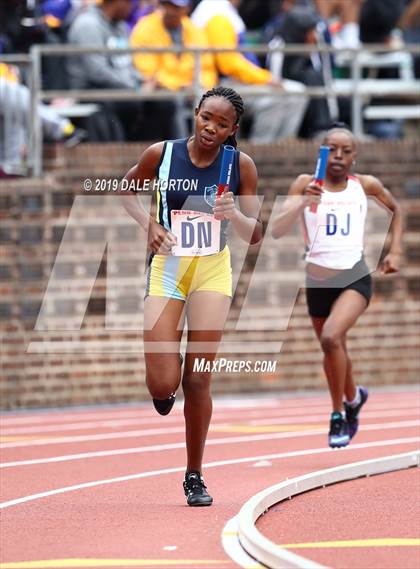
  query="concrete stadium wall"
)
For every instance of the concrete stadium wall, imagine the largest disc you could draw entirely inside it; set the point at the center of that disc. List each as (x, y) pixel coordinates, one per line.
(82, 367)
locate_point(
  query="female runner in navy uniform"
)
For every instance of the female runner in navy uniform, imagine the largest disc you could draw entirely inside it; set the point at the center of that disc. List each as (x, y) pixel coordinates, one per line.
(338, 282)
(182, 281)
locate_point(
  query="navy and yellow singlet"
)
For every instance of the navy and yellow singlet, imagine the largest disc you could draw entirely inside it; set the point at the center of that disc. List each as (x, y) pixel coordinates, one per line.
(185, 200)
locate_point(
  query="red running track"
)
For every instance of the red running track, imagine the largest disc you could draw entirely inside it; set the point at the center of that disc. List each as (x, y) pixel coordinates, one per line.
(102, 487)
(374, 520)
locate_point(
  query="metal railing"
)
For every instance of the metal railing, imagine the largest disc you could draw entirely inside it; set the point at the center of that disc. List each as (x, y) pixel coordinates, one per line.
(356, 87)
(14, 118)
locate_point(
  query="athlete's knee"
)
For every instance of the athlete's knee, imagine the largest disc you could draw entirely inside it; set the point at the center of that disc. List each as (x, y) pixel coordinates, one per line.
(160, 390)
(330, 341)
(196, 384)
(160, 386)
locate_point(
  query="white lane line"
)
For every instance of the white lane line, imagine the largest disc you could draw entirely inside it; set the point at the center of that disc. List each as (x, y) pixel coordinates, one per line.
(146, 421)
(88, 438)
(79, 426)
(285, 418)
(367, 414)
(210, 442)
(290, 410)
(50, 421)
(47, 415)
(282, 414)
(155, 419)
(306, 452)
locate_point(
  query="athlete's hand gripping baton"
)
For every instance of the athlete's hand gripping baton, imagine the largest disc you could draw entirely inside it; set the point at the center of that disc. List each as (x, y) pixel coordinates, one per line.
(320, 171)
(225, 170)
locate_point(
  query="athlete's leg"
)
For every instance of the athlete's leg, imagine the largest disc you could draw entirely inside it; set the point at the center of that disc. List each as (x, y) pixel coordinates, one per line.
(356, 397)
(349, 386)
(163, 322)
(344, 314)
(206, 316)
(318, 324)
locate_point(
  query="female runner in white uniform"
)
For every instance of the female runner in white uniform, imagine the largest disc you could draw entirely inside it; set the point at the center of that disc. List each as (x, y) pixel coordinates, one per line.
(338, 282)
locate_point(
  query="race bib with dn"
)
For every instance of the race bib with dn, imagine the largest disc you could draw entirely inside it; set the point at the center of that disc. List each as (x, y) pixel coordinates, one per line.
(198, 233)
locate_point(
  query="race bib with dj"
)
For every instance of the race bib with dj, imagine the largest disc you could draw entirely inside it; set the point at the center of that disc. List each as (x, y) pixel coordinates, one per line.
(198, 233)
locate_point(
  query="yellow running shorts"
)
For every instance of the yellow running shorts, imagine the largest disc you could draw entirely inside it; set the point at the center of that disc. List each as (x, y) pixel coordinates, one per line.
(177, 277)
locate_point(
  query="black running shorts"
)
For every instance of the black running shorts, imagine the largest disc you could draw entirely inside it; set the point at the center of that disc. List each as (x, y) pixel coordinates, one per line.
(321, 295)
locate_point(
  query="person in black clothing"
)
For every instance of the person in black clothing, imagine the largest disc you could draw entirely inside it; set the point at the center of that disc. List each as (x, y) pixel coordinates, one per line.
(299, 25)
(378, 18)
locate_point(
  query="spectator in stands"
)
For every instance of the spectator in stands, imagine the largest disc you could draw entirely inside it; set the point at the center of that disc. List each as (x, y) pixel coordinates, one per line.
(346, 29)
(271, 36)
(170, 27)
(378, 19)
(15, 102)
(82, 4)
(410, 26)
(55, 12)
(270, 28)
(277, 114)
(104, 26)
(20, 26)
(56, 16)
(140, 9)
(299, 25)
(256, 14)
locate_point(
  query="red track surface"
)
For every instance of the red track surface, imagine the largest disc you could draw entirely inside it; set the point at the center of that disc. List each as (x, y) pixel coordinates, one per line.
(144, 518)
(384, 507)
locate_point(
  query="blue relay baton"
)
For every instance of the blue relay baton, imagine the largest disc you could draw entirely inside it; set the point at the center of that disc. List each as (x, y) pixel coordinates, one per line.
(226, 169)
(320, 171)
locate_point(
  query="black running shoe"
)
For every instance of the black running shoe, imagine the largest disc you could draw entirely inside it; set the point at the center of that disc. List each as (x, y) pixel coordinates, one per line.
(352, 413)
(195, 490)
(164, 406)
(339, 431)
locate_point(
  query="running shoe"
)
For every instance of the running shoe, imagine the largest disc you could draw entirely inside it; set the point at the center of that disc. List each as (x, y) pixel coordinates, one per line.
(352, 413)
(164, 406)
(195, 490)
(339, 431)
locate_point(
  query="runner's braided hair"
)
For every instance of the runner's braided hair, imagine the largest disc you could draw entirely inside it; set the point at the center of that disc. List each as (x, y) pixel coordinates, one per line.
(234, 99)
(339, 127)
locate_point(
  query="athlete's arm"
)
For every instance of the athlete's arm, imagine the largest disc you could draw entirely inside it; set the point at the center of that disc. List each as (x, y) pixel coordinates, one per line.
(374, 187)
(159, 240)
(302, 193)
(244, 220)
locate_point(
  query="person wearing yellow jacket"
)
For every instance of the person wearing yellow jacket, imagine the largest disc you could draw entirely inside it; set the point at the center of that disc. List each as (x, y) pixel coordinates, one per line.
(275, 115)
(169, 27)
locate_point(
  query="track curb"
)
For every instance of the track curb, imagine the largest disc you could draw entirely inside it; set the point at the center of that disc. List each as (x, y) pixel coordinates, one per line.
(271, 555)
